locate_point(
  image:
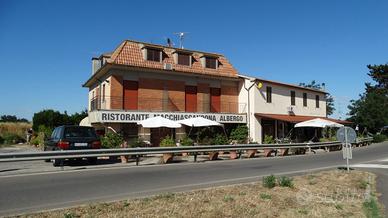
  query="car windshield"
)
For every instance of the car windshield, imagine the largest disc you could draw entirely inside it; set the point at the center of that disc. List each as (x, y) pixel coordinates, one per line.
(79, 132)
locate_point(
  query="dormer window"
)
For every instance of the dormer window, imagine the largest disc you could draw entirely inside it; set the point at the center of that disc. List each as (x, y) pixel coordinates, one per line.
(154, 54)
(211, 62)
(184, 59)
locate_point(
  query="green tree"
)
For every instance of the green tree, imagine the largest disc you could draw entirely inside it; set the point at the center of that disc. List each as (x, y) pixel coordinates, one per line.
(12, 118)
(329, 99)
(371, 109)
(50, 118)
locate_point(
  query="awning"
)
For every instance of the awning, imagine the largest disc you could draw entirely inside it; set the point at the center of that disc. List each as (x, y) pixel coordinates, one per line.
(157, 122)
(199, 122)
(297, 118)
(318, 122)
(85, 122)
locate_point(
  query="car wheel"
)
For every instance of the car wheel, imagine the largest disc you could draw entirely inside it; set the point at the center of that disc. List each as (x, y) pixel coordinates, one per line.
(92, 160)
(58, 162)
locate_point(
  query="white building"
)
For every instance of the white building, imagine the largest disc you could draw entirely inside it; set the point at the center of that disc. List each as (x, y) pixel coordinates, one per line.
(274, 107)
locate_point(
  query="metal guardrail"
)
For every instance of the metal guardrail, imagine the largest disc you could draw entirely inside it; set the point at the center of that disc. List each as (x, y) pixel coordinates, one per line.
(63, 154)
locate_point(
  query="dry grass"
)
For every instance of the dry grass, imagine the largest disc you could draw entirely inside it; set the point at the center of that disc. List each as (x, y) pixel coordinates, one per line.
(16, 128)
(324, 194)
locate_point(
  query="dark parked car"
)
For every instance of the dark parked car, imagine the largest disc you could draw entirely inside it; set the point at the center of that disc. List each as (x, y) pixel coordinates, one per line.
(72, 138)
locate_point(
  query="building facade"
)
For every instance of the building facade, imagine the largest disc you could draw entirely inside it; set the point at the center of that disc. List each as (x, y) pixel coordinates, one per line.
(141, 80)
(274, 107)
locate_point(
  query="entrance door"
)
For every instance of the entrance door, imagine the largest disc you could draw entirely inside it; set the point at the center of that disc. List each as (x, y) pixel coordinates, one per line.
(268, 128)
(157, 135)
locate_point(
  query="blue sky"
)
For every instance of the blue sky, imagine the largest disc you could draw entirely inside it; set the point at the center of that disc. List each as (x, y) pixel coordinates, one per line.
(46, 46)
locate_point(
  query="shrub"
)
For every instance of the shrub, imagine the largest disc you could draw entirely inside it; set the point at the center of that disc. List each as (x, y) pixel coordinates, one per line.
(285, 181)
(228, 198)
(268, 139)
(45, 130)
(269, 181)
(379, 138)
(240, 134)
(168, 141)
(265, 196)
(136, 143)
(112, 140)
(38, 139)
(186, 141)
(219, 139)
(19, 129)
(12, 138)
(331, 139)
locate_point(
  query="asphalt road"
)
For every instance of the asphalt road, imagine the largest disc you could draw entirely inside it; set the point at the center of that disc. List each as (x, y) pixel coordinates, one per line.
(49, 190)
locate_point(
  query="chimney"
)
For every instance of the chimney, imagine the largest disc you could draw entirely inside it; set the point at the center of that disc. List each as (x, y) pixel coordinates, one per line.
(96, 64)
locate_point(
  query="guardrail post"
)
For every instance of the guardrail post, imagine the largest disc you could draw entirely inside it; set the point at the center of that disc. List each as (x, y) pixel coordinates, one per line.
(137, 160)
(195, 156)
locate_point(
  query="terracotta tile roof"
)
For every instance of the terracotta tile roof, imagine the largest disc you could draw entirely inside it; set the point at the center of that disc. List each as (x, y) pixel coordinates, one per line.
(297, 118)
(130, 53)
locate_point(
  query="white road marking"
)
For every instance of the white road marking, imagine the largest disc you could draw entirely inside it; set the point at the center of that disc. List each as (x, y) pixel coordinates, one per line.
(379, 166)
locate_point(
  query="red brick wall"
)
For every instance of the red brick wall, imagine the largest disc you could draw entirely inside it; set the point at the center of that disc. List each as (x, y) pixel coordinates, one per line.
(150, 94)
(116, 92)
(169, 95)
(176, 95)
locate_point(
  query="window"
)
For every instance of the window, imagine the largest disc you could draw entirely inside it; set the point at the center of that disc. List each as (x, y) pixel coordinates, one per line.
(317, 101)
(304, 99)
(292, 97)
(103, 92)
(79, 132)
(153, 54)
(211, 63)
(184, 59)
(269, 94)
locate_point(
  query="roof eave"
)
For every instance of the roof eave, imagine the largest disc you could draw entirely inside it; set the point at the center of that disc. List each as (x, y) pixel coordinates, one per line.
(100, 72)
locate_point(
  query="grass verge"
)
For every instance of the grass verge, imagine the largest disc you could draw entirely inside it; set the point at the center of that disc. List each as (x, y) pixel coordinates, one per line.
(324, 194)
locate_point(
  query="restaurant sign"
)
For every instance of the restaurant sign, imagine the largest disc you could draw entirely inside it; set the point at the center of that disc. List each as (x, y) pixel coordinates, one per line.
(133, 117)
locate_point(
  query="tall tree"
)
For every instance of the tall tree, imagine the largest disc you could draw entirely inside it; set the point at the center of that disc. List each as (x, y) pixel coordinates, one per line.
(371, 109)
(329, 99)
(50, 118)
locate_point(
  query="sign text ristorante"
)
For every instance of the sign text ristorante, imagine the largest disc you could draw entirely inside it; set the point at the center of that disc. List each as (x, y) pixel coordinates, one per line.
(133, 117)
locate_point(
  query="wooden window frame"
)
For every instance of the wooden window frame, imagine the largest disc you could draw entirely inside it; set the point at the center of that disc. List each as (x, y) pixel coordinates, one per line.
(304, 99)
(269, 94)
(154, 51)
(293, 96)
(183, 63)
(317, 101)
(209, 66)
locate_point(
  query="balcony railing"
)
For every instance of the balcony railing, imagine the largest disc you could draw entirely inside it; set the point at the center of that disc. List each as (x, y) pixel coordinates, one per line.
(163, 105)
